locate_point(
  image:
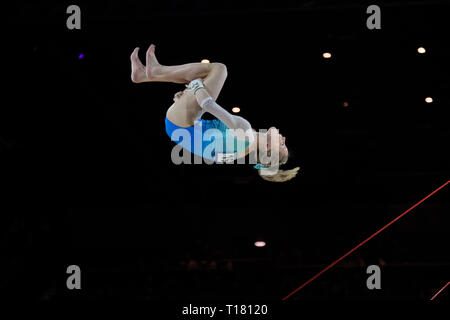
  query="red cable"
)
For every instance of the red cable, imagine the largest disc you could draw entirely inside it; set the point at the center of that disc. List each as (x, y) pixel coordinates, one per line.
(440, 291)
(362, 243)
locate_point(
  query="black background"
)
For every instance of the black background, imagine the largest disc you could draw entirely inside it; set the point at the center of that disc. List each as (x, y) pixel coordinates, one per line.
(87, 177)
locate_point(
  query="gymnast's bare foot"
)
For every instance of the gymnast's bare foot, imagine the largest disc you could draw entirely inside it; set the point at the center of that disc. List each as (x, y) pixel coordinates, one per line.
(137, 68)
(153, 67)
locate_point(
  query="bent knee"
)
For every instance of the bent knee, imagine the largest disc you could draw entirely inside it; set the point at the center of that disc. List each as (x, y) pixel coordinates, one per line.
(221, 68)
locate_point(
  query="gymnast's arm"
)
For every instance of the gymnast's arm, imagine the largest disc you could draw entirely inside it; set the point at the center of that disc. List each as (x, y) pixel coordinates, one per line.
(243, 127)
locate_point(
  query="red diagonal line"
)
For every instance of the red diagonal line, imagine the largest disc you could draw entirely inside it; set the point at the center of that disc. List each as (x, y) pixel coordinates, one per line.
(437, 293)
(362, 243)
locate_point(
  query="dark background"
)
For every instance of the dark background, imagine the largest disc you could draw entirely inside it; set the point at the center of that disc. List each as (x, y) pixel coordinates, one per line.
(87, 177)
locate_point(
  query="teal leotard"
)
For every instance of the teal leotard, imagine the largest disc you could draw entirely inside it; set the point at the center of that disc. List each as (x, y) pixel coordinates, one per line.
(206, 138)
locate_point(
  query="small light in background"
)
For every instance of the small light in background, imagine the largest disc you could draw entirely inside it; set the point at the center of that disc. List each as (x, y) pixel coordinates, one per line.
(326, 55)
(428, 99)
(421, 50)
(80, 56)
(205, 61)
(236, 109)
(260, 244)
(345, 104)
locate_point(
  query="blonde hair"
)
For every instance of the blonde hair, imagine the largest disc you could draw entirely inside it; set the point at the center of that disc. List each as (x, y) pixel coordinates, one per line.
(281, 175)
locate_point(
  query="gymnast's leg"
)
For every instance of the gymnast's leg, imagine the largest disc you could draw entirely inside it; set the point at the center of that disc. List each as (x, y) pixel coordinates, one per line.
(185, 110)
(153, 71)
(213, 74)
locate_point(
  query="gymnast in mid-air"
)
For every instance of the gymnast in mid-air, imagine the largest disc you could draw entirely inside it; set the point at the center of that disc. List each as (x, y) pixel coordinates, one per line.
(214, 140)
